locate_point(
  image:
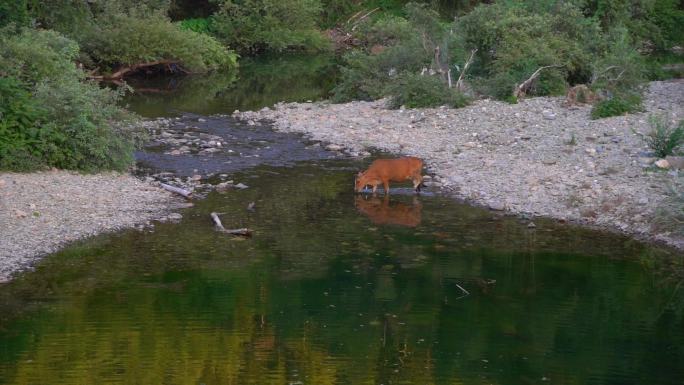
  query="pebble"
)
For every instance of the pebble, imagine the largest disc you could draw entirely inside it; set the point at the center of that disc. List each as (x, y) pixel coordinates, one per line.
(662, 163)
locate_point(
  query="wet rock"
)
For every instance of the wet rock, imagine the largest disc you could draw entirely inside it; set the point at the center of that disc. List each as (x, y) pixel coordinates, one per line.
(241, 186)
(175, 217)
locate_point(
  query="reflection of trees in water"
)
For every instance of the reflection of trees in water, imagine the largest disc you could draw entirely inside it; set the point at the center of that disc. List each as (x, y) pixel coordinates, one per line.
(320, 295)
(258, 83)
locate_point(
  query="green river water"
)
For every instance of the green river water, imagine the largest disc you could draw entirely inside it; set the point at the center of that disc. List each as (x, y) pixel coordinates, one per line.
(335, 288)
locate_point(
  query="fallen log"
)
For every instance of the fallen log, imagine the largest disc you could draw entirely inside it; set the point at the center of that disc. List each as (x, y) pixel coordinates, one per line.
(185, 193)
(245, 232)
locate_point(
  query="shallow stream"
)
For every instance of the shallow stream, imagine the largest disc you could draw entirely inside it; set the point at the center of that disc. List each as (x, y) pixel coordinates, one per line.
(338, 288)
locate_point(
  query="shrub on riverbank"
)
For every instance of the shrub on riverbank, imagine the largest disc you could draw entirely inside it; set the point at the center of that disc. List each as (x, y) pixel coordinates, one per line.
(52, 116)
(397, 51)
(122, 34)
(418, 91)
(252, 26)
(518, 49)
(123, 40)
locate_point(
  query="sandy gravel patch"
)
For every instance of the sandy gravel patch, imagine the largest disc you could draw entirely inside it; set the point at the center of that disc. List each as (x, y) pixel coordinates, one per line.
(40, 212)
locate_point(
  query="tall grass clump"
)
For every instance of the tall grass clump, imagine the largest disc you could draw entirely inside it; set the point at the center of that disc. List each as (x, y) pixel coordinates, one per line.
(664, 139)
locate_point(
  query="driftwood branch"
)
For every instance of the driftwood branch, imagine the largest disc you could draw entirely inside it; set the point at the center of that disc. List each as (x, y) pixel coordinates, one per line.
(219, 227)
(459, 82)
(522, 88)
(187, 194)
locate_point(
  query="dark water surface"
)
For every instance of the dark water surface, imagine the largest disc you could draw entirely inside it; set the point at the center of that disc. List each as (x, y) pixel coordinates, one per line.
(335, 288)
(338, 289)
(259, 82)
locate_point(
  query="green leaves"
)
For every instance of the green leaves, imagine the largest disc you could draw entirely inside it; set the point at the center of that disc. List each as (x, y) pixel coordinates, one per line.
(51, 116)
(269, 25)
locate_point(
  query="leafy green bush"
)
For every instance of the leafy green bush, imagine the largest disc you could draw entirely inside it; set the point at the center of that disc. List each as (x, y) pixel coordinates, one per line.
(408, 48)
(618, 66)
(201, 25)
(51, 116)
(364, 75)
(385, 31)
(269, 25)
(419, 91)
(14, 12)
(664, 139)
(616, 106)
(513, 40)
(21, 141)
(123, 39)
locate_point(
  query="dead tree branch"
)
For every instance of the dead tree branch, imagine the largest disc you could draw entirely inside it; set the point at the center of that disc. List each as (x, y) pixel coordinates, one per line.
(523, 87)
(459, 82)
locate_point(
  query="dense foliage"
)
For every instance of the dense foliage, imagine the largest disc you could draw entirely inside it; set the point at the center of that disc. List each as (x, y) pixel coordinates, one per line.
(121, 33)
(520, 48)
(123, 40)
(398, 57)
(269, 25)
(52, 116)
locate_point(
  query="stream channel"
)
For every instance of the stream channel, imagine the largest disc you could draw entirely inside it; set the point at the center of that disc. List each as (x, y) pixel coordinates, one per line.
(333, 287)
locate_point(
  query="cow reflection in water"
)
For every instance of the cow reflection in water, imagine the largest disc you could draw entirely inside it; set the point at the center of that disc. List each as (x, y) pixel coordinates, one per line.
(381, 212)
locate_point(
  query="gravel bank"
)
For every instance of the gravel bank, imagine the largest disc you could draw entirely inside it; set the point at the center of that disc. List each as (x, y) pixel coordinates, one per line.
(536, 157)
(41, 212)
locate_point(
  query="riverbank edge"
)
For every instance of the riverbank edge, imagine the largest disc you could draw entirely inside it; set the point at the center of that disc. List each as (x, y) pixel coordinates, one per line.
(358, 127)
(44, 212)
